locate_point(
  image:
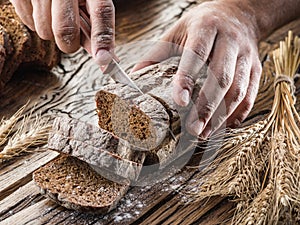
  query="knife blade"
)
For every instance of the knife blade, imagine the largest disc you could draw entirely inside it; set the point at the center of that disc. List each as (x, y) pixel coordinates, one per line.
(119, 75)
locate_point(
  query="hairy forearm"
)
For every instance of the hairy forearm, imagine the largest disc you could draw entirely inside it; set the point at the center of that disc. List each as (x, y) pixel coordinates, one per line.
(268, 15)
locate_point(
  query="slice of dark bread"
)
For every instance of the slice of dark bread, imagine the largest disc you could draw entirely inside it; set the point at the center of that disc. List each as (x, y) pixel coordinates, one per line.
(108, 154)
(139, 119)
(73, 184)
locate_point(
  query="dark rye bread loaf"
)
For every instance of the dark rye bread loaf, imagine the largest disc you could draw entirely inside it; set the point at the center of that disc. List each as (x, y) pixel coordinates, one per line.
(149, 117)
(106, 153)
(26, 47)
(97, 146)
(74, 185)
(21, 42)
(5, 46)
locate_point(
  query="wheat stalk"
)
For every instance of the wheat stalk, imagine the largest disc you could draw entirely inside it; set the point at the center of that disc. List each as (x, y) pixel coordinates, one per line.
(7, 125)
(30, 134)
(256, 212)
(259, 165)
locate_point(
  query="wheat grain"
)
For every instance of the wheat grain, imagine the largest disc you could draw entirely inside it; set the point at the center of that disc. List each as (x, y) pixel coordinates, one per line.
(259, 166)
(257, 212)
(28, 135)
(6, 126)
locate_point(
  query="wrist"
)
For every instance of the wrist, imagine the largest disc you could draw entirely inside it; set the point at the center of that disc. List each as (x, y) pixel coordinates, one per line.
(266, 15)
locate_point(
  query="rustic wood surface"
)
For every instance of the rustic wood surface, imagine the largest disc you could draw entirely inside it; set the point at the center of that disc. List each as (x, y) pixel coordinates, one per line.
(69, 91)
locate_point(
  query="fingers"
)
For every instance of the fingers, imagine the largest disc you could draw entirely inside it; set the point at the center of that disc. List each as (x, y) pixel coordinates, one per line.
(102, 15)
(244, 108)
(66, 24)
(233, 97)
(195, 54)
(220, 77)
(24, 10)
(42, 18)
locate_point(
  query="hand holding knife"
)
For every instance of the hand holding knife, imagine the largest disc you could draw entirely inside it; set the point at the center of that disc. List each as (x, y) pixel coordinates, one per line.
(113, 68)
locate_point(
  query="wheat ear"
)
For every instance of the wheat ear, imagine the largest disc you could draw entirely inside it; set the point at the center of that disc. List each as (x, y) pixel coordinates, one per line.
(30, 134)
(7, 125)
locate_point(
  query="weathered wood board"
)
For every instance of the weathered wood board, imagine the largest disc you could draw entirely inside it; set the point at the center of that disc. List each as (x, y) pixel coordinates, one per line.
(69, 91)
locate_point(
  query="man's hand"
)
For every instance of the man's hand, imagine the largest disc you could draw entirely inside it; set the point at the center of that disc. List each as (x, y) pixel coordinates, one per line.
(59, 20)
(225, 38)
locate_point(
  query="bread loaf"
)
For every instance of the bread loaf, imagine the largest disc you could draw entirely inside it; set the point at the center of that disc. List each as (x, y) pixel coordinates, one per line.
(74, 185)
(108, 154)
(143, 120)
(146, 120)
(22, 46)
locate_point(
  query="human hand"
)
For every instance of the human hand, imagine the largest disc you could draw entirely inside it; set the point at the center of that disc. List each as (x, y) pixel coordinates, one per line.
(222, 35)
(59, 20)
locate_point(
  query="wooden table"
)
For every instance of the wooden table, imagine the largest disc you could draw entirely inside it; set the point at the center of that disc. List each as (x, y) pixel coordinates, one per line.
(69, 90)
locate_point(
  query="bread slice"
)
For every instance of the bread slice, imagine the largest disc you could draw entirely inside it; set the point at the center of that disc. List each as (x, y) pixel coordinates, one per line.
(111, 156)
(139, 119)
(74, 185)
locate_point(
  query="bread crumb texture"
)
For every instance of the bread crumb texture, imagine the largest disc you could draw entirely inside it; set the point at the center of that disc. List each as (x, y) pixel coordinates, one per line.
(73, 184)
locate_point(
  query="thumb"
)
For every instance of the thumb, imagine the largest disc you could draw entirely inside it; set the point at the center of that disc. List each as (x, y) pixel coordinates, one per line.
(102, 16)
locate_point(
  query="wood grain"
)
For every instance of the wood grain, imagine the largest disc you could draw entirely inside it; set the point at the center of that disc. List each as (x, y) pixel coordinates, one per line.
(69, 89)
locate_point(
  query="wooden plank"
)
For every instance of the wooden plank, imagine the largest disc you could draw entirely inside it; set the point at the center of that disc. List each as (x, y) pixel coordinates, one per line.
(23, 197)
(69, 90)
(12, 175)
(31, 214)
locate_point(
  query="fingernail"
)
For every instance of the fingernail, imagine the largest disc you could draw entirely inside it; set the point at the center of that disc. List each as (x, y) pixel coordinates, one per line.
(185, 97)
(103, 57)
(206, 133)
(236, 123)
(197, 127)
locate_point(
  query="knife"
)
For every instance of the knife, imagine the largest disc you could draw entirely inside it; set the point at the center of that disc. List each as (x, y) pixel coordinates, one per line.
(113, 68)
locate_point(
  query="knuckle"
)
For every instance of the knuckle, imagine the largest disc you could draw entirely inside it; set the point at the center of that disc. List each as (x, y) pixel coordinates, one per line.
(239, 94)
(184, 81)
(206, 111)
(233, 35)
(247, 50)
(184, 78)
(224, 80)
(200, 51)
(103, 38)
(104, 10)
(66, 32)
(212, 21)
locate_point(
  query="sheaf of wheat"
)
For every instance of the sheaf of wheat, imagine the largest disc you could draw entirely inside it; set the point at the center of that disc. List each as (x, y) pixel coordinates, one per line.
(259, 165)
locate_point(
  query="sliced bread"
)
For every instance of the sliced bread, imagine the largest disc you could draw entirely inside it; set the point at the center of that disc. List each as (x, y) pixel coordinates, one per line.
(73, 184)
(139, 119)
(109, 155)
